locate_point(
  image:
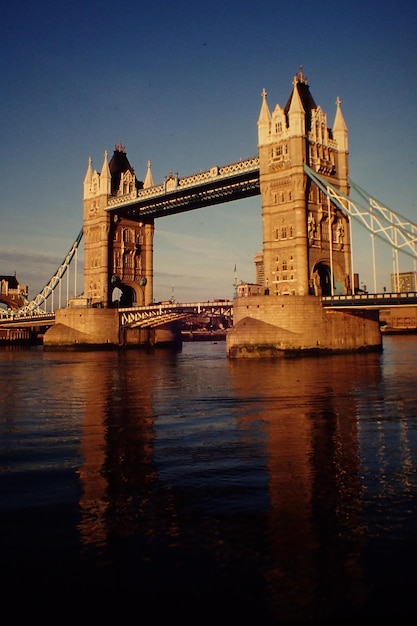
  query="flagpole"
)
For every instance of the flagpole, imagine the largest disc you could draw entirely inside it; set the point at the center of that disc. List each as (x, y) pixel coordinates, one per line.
(235, 284)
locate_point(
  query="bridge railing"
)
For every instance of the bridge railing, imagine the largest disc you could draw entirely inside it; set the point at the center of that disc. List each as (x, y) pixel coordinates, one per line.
(374, 300)
(213, 308)
(174, 182)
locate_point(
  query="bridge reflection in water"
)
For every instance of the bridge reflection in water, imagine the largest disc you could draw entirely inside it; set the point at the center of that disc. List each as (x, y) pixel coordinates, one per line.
(189, 487)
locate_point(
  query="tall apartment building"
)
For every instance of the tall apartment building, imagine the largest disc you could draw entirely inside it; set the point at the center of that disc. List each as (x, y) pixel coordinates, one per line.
(404, 282)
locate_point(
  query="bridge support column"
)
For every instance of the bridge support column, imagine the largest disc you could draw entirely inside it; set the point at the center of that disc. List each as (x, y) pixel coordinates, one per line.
(88, 327)
(270, 326)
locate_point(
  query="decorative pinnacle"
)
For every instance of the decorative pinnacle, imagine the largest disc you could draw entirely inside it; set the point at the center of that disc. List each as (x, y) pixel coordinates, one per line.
(300, 78)
(120, 147)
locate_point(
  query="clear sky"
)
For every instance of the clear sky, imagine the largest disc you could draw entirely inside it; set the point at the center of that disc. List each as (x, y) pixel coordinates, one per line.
(179, 83)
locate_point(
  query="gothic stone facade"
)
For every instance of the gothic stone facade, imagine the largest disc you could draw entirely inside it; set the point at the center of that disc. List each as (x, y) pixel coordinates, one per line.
(306, 239)
(118, 252)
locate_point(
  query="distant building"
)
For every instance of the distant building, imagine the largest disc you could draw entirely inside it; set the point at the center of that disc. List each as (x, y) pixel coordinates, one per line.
(249, 289)
(399, 318)
(404, 282)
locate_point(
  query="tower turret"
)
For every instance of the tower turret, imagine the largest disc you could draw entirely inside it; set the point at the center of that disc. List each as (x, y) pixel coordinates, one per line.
(296, 112)
(88, 179)
(340, 131)
(105, 176)
(340, 136)
(148, 182)
(264, 120)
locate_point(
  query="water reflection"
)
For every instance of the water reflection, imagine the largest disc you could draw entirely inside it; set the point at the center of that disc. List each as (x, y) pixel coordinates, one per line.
(117, 445)
(315, 531)
(233, 471)
(280, 490)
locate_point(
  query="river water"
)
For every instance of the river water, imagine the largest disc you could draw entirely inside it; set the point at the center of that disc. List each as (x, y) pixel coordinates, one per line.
(183, 486)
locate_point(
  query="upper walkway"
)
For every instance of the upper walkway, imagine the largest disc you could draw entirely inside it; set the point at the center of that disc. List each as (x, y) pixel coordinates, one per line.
(176, 195)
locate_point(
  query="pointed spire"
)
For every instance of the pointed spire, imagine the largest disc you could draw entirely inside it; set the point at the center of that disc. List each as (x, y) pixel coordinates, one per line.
(296, 112)
(264, 120)
(300, 77)
(89, 172)
(296, 105)
(88, 179)
(120, 147)
(105, 176)
(148, 182)
(265, 114)
(340, 130)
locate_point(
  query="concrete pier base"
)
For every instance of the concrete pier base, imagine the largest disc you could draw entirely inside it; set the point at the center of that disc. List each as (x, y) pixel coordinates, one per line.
(86, 327)
(82, 326)
(276, 326)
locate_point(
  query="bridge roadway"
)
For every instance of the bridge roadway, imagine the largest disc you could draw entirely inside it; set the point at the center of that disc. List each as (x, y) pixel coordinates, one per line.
(165, 311)
(26, 321)
(371, 300)
(154, 313)
(160, 311)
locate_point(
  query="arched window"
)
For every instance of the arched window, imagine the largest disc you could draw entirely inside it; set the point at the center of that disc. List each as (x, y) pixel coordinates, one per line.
(127, 236)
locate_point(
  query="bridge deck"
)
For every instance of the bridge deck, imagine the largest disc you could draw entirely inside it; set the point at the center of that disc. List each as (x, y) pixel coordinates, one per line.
(371, 300)
(224, 308)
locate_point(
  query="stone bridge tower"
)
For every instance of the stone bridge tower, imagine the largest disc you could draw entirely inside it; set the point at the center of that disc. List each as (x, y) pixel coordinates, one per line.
(306, 240)
(118, 252)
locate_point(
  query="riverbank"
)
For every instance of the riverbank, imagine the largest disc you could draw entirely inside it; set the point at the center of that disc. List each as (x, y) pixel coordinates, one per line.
(203, 335)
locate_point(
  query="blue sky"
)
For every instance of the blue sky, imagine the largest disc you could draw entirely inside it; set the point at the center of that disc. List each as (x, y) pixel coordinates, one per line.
(180, 85)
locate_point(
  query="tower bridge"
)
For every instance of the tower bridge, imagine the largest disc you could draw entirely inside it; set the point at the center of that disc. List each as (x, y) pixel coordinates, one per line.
(305, 297)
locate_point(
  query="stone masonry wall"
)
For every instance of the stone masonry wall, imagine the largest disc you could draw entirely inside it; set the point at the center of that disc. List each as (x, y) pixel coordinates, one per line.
(83, 326)
(274, 325)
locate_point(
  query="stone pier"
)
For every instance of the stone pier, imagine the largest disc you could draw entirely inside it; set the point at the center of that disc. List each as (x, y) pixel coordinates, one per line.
(83, 328)
(275, 326)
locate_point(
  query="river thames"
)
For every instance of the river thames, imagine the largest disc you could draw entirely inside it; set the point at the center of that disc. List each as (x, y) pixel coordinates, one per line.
(183, 486)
